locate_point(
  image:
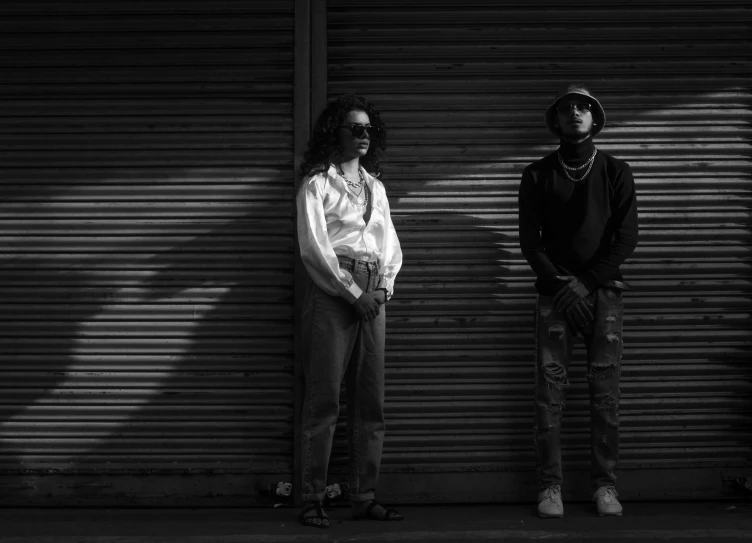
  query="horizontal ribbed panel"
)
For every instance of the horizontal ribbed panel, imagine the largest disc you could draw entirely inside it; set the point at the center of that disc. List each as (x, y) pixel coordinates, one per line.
(463, 89)
(146, 234)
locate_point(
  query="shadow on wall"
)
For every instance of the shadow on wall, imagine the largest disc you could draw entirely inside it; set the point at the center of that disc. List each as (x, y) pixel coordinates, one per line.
(231, 389)
(40, 332)
(155, 302)
(460, 329)
(145, 239)
(147, 321)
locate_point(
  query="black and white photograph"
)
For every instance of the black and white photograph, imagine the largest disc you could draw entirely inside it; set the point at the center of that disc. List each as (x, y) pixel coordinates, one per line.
(406, 271)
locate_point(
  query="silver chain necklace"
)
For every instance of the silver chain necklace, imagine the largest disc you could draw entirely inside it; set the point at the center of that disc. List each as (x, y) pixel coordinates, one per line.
(567, 169)
(354, 186)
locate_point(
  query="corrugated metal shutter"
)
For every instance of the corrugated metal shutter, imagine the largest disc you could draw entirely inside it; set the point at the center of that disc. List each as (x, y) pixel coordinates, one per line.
(463, 87)
(146, 235)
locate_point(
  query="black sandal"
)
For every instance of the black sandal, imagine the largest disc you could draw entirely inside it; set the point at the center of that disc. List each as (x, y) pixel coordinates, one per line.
(390, 515)
(310, 519)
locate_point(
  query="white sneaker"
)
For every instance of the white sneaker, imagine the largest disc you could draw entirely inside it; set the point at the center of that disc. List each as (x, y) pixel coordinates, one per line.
(549, 503)
(606, 501)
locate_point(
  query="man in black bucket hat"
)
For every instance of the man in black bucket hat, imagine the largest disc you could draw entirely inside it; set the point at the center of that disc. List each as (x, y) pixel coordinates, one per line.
(577, 224)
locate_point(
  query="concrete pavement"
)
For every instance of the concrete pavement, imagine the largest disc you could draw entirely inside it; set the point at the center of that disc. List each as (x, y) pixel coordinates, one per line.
(642, 521)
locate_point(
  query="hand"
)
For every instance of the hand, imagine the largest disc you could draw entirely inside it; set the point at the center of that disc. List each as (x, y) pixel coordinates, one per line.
(380, 296)
(579, 315)
(570, 294)
(367, 306)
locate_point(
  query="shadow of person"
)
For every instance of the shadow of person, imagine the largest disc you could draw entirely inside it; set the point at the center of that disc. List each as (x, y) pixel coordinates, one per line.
(108, 313)
(43, 308)
(219, 380)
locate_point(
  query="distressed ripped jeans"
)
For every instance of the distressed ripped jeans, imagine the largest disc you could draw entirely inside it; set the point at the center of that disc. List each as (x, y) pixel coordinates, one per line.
(603, 341)
(339, 346)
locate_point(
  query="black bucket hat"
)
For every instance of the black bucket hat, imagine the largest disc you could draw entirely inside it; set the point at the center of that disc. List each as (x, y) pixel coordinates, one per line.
(599, 116)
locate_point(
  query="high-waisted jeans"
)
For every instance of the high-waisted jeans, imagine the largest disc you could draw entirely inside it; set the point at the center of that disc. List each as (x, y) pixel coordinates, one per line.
(339, 346)
(603, 341)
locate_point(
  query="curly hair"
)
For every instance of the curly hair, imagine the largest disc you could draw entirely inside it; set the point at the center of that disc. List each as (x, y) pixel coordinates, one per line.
(324, 147)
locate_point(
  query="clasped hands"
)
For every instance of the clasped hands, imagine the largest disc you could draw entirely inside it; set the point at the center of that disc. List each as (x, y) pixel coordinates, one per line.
(570, 300)
(367, 305)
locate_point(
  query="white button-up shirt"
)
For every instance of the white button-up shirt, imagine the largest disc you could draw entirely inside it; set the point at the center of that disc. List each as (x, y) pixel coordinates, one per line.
(330, 223)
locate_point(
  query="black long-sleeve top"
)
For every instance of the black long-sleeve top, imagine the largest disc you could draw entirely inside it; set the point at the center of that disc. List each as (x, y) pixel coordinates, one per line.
(586, 228)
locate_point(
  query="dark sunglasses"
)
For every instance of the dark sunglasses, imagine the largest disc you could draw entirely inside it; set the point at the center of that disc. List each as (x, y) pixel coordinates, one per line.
(582, 107)
(360, 130)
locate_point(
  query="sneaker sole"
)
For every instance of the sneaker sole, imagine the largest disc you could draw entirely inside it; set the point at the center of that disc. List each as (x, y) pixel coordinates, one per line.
(609, 514)
(544, 515)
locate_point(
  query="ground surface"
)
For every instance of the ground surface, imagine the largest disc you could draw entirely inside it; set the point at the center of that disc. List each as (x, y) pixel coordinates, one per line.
(642, 521)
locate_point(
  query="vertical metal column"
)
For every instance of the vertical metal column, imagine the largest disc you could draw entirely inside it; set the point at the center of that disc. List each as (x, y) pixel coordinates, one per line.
(310, 97)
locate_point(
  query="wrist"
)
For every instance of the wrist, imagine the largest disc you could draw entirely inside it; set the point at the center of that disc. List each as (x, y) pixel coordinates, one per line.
(589, 281)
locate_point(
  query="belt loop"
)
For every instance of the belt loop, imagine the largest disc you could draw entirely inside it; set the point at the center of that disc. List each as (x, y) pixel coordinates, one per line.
(346, 263)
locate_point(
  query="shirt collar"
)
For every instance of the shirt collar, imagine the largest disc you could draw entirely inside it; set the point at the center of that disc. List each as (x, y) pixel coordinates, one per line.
(369, 179)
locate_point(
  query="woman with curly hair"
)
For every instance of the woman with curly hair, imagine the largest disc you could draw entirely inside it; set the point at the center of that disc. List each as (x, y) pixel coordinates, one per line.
(351, 252)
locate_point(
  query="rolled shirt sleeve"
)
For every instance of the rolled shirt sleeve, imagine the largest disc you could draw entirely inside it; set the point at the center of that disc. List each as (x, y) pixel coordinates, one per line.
(316, 250)
(390, 261)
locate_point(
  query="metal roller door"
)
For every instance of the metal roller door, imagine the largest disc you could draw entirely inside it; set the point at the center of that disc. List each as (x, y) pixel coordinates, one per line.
(146, 237)
(462, 87)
